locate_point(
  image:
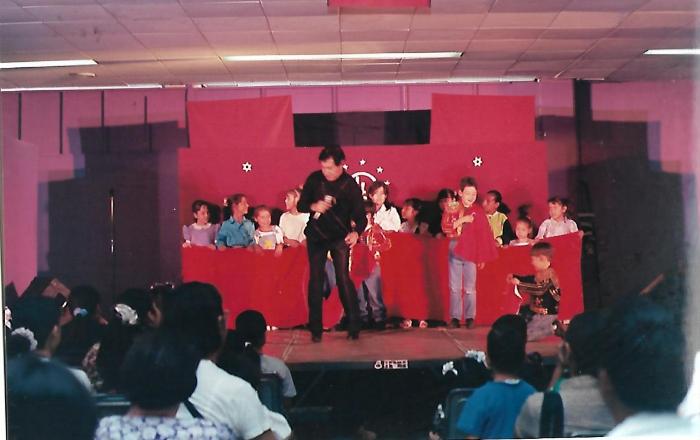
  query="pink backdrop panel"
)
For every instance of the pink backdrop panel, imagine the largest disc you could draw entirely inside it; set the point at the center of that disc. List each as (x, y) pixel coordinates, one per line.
(471, 118)
(241, 123)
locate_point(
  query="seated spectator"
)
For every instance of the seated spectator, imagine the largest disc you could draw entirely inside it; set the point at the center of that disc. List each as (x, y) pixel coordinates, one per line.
(135, 313)
(252, 327)
(158, 374)
(493, 408)
(642, 376)
(240, 359)
(195, 314)
(585, 413)
(85, 327)
(46, 401)
(35, 329)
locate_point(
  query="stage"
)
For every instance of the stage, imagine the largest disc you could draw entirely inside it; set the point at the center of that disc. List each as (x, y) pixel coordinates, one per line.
(419, 348)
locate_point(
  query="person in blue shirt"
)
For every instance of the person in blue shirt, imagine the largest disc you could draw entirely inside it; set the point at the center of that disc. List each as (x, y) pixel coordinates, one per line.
(493, 408)
(236, 231)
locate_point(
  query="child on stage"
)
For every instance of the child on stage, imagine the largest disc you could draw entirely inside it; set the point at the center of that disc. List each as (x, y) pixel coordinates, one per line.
(386, 218)
(523, 232)
(497, 215)
(201, 232)
(236, 231)
(268, 237)
(558, 222)
(543, 287)
(410, 211)
(293, 222)
(471, 245)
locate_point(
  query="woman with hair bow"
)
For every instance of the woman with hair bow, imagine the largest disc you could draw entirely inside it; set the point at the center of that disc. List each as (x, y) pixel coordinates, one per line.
(34, 328)
(134, 313)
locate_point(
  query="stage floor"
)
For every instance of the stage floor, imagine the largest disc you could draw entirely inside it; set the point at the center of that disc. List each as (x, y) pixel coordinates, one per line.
(417, 347)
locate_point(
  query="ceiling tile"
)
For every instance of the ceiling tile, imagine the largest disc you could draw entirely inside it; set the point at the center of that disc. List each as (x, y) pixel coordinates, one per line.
(447, 34)
(223, 9)
(444, 66)
(36, 44)
(312, 67)
(210, 66)
(656, 19)
(305, 37)
(298, 8)
(378, 35)
(68, 13)
(477, 64)
(166, 25)
(372, 46)
(605, 5)
(518, 20)
(365, 21)
(600, 64)
(260, 77)
(543, 66)
(316, 22)
(617, 48)
(176, 46)
(529, 6)
(145, 11)
(507, 34)
(651, 34)
(369, 76)
(580, 45)
(492, 55)
(432, 20)
(236, 38)
(574, 34)
(546, 55)
(322, 47)
(21, 30)
(588, 20)
(15, 14)
(450, 6)
(671, 5)
(229, 24)
(498, 45)
(254, 67)
(385, 67)
(436, 46)
(88, 28)
(313, 77)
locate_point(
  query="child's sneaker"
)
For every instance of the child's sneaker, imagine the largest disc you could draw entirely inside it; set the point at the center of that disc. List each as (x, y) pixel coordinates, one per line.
(423, 324)
(406, 323)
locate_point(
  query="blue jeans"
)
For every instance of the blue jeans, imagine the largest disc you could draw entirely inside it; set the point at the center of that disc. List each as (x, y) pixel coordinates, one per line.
(373, 288)
(462, 286)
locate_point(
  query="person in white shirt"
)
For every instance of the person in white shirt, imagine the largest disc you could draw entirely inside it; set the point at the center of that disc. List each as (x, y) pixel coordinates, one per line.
(293, 222)
(386, 217)
(642, 374)
(558, 222)
(267, 237)
(195, 314)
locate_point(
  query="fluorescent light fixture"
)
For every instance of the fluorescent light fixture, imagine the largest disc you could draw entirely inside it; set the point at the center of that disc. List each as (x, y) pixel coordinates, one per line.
(72, 88)
(348, 56)
(672, 52)
(355, 82)
(53, 63)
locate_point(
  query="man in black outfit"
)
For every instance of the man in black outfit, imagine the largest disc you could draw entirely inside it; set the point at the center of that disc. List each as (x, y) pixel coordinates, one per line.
(335, 203)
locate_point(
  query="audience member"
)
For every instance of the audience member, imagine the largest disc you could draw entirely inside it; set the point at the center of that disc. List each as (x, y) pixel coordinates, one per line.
(85, 327)
(158, 374)
(46, 401)
(240, 359)
(134, 313)
(642, 375)
(492, 409)
(584, 412)
(35, 329)
(196, 316)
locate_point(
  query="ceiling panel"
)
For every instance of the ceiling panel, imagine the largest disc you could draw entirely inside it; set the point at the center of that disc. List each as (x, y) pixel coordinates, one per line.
(588, 20)
(519, 20)
(366, 21)
(529, 6)
(432, 20)
(317, 22)
(432, 46)
(451, 6)
(375, 35)
(657, 19)
(605, 5)
(317, 48)
(222, 9)
(22, 30)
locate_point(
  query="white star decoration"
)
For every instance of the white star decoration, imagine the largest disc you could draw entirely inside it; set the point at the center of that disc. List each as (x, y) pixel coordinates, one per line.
(247, 167)
(362, 161)
(345, 167)
(478, 161)
(380, 170)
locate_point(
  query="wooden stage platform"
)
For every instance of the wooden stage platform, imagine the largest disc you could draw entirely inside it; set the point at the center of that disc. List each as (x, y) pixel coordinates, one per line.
(417, 347)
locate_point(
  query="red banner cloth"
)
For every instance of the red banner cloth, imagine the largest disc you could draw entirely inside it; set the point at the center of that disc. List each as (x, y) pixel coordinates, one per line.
(482, 119)
(259, 123)
(414, 278)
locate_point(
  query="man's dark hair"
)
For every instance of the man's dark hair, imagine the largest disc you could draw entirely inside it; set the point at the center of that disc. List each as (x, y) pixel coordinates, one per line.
(585, 337)
(506, 345)
(542, 248)
(251, 327)
(643, 356)
(193, 312)
(334, 152)
(159, 371)
(45, 400)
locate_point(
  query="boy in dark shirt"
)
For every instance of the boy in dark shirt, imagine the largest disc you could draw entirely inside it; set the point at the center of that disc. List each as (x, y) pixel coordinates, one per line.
(543, 288)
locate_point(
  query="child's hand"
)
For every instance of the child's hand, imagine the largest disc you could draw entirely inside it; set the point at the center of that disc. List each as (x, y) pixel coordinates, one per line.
(278, 251)
(212, 247)
(510, 279)
(186, 244)
(462, 220)
(258, 250)
(480, 266)
(291, 243)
